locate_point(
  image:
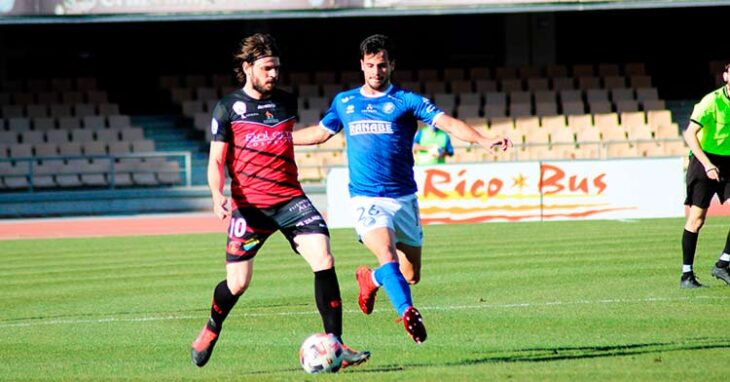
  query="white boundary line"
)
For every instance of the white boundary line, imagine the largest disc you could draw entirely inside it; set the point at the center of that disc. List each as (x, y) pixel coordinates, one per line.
(40, 322)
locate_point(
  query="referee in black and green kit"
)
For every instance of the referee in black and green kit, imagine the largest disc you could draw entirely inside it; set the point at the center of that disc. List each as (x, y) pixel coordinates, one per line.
(708, 137)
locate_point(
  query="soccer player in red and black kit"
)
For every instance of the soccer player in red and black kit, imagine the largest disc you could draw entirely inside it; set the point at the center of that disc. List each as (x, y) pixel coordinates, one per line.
(252, 138)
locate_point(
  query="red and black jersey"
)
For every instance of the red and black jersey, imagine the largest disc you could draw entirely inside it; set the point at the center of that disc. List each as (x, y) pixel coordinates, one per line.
(260, 156)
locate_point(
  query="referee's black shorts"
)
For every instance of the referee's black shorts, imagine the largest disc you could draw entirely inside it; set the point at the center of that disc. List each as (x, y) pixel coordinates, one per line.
(700, 188)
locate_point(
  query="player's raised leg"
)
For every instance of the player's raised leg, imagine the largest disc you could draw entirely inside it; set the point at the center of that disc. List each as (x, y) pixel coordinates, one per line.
(225, 296)
(381, 242)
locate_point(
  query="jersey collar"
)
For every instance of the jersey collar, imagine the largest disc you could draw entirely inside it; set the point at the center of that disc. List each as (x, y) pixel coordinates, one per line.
(378, 94)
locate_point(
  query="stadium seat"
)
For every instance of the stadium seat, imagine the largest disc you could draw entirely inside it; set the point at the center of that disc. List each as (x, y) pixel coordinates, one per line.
(59, 110)
(45, 150)
(13, 111)
(582, 70)
(108, 109)
(589, 82)
(656, 118)
(44, 123)
(495, 111)
(32, 137)
(656, 104)
(624, 94)
(614, 82)
(634, 68)
(646, 94)
(453, 74)
(69, 123)
(36, 111)
(604, 70)
(573, 108)
(72, 97)
(143, 146)
(119, 121)
(118, 148)
(97, 97)
(600, 107)
(80, 135)
(639, 133)
(69, 149)
(495, 98)
(621, 150)
(479, 73)
(626, 106)
(563, 83)
(546, 108)
(509, 85)
(520, 110)
(640, 81)
(18, 124)
(108, 135)
(554, 70)
(94, 122)
(485, 86)
(520, 97)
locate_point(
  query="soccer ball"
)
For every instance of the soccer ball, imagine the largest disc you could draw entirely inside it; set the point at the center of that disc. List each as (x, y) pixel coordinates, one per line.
(321, 353)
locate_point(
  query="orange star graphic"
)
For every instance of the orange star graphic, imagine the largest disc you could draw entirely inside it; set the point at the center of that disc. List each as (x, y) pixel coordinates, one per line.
(519, 181)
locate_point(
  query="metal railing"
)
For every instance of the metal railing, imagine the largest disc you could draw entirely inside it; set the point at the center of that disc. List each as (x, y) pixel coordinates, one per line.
(111, 167)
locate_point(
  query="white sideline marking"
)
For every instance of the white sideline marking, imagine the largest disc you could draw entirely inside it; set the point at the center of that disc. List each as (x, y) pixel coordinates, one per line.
(425, 308)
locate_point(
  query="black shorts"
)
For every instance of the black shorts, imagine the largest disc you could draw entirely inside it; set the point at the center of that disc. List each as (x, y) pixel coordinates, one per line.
(250, 227)
(700, 188)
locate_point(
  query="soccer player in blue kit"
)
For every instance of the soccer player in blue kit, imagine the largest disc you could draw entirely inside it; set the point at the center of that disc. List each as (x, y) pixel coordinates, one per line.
(379, 121)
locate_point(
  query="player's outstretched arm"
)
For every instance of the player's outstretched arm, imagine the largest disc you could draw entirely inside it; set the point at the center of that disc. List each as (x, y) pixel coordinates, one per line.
(690, 136)
(311, 135)
(464, 132)
(217, 178)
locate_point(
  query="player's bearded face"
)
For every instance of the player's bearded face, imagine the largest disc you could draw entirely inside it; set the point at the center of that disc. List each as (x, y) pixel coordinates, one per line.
(377, 69)
(265, 74)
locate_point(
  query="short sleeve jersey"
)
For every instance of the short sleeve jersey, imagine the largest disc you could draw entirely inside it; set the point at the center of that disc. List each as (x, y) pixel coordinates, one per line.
(713, 114)
(260, 156)
(379, 134)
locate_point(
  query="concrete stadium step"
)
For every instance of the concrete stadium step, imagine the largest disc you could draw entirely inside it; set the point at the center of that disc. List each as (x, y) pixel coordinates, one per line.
(172, 133)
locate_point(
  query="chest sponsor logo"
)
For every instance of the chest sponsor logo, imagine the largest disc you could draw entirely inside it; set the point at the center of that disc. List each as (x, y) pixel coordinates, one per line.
(266, 138)
(370, 127)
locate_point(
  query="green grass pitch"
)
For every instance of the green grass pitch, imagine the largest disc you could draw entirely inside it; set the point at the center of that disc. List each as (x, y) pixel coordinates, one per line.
(563, 301)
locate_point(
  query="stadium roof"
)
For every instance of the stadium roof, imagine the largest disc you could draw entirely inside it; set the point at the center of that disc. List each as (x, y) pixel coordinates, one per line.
(90, 11)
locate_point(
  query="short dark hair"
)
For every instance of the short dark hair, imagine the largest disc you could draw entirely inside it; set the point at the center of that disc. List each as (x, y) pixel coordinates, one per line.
(252, 48)
(377, 43)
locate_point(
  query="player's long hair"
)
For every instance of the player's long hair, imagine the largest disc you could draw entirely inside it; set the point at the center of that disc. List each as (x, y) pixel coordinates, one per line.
(252, 48)
(377, 43)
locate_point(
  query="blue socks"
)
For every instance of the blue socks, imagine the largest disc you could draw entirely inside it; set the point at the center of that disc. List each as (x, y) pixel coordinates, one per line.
(395, 285)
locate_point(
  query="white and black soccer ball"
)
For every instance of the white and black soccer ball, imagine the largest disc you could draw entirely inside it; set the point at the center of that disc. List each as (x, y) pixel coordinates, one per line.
(321, 353)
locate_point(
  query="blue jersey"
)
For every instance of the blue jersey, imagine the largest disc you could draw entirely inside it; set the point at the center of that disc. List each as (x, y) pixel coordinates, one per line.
(379, 133)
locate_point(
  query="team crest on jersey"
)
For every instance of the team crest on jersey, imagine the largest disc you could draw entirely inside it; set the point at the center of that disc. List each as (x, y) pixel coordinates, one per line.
(388, 107)
(269, 117)
(240, 108)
